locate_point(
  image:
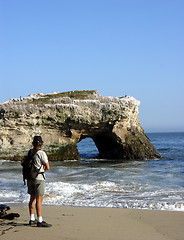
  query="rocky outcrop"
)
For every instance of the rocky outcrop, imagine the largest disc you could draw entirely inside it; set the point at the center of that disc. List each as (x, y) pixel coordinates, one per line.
(64, 119)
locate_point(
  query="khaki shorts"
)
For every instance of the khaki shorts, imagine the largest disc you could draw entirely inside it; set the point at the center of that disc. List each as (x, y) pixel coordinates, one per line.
(36, 187)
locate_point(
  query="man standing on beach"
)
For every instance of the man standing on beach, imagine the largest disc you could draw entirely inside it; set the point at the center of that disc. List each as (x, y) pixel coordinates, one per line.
(36, 186)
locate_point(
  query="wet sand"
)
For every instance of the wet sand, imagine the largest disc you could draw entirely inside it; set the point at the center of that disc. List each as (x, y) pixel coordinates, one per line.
(78, 223)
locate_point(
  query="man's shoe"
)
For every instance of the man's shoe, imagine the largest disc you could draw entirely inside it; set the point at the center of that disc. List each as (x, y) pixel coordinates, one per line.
(43, 224)
(32, 222)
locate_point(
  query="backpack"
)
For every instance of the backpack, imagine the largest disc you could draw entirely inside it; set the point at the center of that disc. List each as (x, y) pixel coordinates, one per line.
(28, 167)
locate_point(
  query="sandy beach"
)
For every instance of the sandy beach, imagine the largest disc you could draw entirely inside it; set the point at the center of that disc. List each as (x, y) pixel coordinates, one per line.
(96, 223)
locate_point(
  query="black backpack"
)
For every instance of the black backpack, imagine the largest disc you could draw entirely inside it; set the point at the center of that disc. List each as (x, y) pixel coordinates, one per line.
(28, 169)
(27, 166)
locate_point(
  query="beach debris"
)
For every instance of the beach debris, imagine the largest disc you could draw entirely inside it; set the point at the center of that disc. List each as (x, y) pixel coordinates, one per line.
(4, 215)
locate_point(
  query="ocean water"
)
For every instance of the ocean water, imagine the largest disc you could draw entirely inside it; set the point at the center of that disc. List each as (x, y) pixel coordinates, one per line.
(151, 184)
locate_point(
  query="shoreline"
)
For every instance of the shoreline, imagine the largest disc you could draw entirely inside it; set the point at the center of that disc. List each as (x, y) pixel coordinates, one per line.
(24, 205)
(83, 223)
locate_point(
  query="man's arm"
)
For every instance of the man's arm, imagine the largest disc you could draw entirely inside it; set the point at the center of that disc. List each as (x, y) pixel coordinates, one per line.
(46, 166)
(45, 161)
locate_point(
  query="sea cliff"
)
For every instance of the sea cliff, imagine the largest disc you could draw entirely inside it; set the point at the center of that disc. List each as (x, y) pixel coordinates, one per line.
(64, 119)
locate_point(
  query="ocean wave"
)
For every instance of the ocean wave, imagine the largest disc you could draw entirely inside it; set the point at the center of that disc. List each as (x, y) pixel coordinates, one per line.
(100, 194)
(4, 161)
(108, 194)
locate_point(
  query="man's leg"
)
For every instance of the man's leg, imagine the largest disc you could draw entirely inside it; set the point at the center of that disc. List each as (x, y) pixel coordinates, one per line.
(31, 204)
(31, 209)
(39, 200)
(40, 222)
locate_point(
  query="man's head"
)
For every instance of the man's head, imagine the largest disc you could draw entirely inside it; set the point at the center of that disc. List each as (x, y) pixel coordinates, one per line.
(37, 141)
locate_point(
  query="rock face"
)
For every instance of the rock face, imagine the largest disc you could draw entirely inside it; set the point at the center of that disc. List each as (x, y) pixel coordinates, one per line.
(64, 119)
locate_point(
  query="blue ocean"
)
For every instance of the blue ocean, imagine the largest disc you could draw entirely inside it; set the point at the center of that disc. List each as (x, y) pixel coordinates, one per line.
(156, 184)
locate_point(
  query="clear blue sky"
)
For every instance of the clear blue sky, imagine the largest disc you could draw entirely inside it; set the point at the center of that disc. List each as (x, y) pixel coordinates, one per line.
(118, 47)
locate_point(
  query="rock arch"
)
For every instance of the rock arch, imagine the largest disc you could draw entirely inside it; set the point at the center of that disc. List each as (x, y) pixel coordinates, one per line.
(64, 119)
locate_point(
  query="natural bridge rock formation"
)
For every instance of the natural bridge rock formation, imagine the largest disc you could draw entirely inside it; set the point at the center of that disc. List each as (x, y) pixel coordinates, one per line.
(64, 119)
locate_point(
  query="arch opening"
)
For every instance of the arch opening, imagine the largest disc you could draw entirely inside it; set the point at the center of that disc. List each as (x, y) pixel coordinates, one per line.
(87, 149)
(108, 146)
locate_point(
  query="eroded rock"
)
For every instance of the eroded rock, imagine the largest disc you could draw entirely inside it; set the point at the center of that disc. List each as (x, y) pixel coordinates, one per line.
(64, 119)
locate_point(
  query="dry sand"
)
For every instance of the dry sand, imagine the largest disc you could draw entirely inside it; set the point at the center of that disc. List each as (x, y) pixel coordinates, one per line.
(74, 223)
